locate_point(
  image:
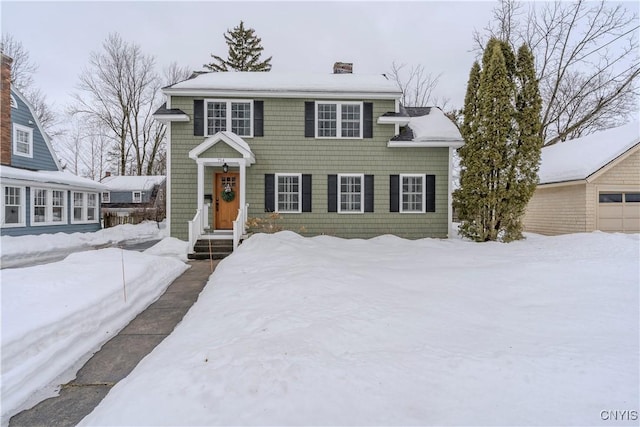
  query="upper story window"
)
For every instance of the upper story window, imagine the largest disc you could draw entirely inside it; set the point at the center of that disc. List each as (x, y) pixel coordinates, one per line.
(136, 197)
(22, 141)
(338, 119)
(236, 116)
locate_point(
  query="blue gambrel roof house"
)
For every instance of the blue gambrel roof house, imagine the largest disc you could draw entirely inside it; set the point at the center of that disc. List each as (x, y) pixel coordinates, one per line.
(37, 195)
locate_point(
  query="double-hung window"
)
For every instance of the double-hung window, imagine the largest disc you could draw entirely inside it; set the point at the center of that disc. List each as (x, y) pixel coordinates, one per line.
(78, 207)
(106, 197)
(39, 205)
(338, 119)
(58, 211)
(85, 207)
(22, 141)
(350, 193)
(92, 206)
(136, 197)
(412, 193)
(236, 116)
(289, 193)
(48, 206)
(13, 206)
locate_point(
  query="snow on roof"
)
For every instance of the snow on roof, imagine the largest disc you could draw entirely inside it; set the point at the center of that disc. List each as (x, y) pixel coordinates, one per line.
(581, 157)
(49, 177)
(290, 82)
(434, 126)
(133, 183)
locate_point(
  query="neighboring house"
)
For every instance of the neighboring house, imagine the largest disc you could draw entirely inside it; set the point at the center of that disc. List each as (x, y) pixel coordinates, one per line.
(125, 195)
(332, 154)
(589, 183)
(37, 196)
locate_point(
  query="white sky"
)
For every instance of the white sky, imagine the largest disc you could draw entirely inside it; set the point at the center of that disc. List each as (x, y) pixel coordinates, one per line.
(301, 36)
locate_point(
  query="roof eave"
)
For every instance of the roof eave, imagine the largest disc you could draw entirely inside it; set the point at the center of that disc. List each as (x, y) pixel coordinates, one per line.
(322, 94)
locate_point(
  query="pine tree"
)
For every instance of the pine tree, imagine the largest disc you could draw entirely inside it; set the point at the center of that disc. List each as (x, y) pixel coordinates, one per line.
(244, 52)
(499, 161)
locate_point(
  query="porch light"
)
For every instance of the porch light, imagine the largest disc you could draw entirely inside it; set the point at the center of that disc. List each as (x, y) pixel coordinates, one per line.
(225, 168)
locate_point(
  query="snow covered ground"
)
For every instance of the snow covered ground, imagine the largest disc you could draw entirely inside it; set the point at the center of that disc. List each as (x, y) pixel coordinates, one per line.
(324, 331)
(25, 250)
(55, 316)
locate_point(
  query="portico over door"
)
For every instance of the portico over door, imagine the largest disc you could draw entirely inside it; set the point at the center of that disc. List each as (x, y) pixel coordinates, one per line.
(226, 200)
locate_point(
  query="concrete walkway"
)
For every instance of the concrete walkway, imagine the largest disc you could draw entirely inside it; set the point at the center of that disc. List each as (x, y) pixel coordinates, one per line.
(117, 358)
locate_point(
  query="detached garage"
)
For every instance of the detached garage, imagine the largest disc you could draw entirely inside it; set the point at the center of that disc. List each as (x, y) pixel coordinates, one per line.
(589, 183)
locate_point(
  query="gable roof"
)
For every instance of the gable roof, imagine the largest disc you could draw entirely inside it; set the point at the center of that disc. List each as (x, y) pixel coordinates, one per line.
(32, 110)
(580, 158)
(133, 183)
(229, 138)
(274, 83)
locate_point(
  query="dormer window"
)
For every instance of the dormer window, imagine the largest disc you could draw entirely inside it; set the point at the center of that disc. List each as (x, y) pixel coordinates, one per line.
(22, 141)
(236, 116)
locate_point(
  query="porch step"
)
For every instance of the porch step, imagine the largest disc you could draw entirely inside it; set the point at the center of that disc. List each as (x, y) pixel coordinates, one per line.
(220, 248)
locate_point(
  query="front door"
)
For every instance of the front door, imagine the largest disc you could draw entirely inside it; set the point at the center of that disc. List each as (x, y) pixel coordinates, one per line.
(227, 199)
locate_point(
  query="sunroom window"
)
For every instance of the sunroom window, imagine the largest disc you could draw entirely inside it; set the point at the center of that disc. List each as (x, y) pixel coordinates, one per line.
(13, 209)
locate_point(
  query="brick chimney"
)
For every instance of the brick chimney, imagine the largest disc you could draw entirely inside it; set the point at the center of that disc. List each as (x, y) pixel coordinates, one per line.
(5, 111)
(343, 68)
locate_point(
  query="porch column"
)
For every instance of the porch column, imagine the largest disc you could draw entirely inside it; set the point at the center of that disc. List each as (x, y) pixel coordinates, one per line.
(200, 185)
(243, 184)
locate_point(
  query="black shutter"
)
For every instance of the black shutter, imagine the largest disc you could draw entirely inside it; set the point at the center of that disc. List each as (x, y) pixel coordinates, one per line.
(367, 124)
(306, 193)
(258, 120)
(394, 193)
(368, 193)
(310, 119)
(269, 193)
(431, 193)
(198, 117)
(332, 190)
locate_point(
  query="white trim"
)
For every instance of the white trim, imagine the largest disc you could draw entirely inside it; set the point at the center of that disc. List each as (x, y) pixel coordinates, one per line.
(450, 232)
(442, 143)
(133, 196)
(424, 192)
(168, 174)
(84, 207)
(393, 120)
(231, 139)
(281, 94)
(47, 141)
(228, 125)
(362, 192)
(166, 118)
(23, 207)
(299, 176)
(339, 105)
(29, 131)
(168, 103)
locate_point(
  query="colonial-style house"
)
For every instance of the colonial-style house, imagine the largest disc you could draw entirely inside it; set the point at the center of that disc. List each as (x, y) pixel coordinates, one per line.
(37, 195)
(589, 183)
(331, 154)
(129, 197)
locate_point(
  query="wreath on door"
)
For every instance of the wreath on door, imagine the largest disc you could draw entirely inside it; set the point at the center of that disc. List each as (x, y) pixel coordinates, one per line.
(228, 195)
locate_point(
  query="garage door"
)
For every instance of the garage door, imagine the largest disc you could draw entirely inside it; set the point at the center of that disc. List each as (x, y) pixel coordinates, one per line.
(619, 212)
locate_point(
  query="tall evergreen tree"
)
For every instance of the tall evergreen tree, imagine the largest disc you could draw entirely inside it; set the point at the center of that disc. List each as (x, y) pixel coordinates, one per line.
(499, 161)
(244, 52)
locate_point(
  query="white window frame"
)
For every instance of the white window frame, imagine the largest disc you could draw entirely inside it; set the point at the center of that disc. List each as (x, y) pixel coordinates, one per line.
(282, 175)
(14, 103)
(96, 215)
(229, 119)
(133, 197)
(48, 206)
(84, 207)
(22, 207)
(29, 132)
(338, 105)
(106, 197)
(424, 192)
(362, 193)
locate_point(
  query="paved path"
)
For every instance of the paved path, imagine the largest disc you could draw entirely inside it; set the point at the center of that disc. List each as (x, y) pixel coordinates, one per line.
(117, 358)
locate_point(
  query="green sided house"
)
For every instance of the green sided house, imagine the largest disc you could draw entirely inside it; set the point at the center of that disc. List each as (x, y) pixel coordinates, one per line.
(333, 154)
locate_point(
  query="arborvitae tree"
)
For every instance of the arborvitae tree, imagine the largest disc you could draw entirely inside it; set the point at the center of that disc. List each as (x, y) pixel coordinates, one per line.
(499, 161)
(244, 52)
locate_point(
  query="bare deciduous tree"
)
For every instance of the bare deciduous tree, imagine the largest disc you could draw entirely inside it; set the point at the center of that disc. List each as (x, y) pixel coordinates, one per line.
(417, 86)
(587, 61)
(84, 150)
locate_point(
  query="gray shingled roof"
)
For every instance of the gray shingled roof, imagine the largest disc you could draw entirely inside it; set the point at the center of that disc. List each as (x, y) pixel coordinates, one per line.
(163, 110)
(417, 111)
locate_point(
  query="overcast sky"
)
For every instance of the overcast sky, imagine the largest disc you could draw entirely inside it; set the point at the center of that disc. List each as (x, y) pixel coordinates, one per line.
(301, 36)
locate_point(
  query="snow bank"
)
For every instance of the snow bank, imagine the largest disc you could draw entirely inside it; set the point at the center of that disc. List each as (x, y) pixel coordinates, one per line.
(19, 250)
(55, 315)
(324, 331)
(171, 247)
